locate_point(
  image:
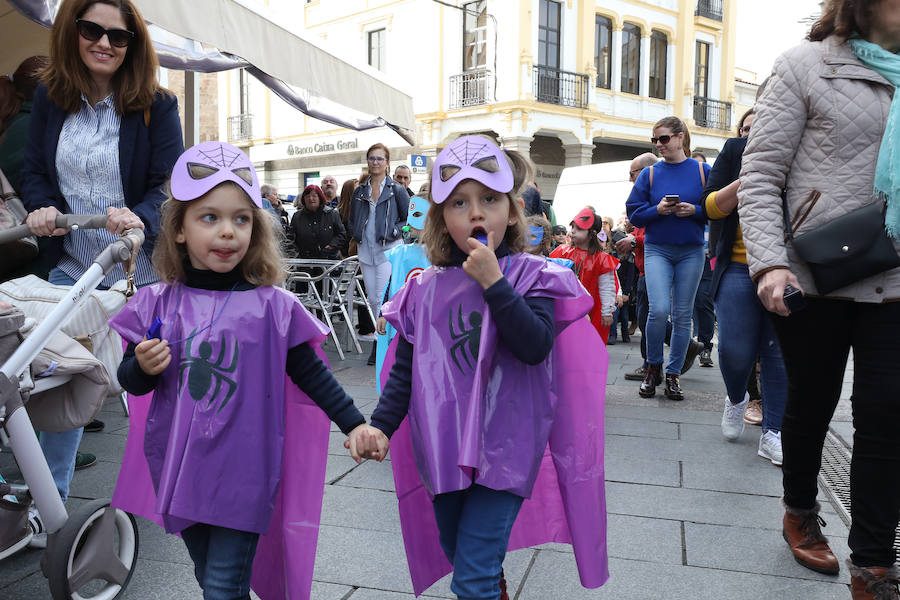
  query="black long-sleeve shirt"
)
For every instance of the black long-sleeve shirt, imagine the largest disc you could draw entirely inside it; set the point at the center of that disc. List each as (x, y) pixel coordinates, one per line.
(303, 366)
(526, 326)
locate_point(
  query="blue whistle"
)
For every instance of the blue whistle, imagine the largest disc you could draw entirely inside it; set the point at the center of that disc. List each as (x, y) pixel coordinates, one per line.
(155, 328)
(481, 238)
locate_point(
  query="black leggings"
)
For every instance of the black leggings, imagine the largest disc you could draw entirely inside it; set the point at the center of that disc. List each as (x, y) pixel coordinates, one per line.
(815, 343)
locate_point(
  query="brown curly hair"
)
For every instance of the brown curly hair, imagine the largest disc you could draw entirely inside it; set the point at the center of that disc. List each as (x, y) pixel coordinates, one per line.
(844, 18)
(262, 265)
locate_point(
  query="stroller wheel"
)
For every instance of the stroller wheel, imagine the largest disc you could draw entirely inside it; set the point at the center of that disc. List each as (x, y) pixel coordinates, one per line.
(94, 555)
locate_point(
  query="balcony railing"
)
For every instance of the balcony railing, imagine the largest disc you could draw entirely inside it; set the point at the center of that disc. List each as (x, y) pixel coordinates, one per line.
(561, 87)
(472, 88)
(240, 128)
(711, 9)
(714, 114)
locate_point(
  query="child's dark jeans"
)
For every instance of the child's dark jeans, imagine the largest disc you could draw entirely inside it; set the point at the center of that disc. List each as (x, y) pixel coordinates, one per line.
(474, 526)
(223, 559)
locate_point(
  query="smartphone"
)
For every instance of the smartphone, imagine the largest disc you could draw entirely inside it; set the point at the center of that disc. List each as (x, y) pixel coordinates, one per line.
(671, 198)
(793, 299)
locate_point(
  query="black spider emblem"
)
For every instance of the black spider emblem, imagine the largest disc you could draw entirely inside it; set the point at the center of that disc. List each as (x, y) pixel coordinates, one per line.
(201, 373)
(466, 341)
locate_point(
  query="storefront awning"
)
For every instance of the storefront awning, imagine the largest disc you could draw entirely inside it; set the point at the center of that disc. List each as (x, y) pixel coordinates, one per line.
(216, 35)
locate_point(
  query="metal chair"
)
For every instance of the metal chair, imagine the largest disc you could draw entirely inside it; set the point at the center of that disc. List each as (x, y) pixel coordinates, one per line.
(325, 292)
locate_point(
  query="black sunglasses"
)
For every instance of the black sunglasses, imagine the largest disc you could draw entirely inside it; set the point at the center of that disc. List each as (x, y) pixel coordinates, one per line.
(120, 38)
(663, 139)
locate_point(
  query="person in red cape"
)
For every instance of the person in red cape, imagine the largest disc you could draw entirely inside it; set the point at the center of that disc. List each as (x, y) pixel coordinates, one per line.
(596, 269)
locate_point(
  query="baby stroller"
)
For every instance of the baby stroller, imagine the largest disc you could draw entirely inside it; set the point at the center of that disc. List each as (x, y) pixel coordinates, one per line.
(92, 552)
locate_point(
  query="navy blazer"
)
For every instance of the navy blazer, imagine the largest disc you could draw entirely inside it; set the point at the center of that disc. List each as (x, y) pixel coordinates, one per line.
(146, 157)
(723, 232)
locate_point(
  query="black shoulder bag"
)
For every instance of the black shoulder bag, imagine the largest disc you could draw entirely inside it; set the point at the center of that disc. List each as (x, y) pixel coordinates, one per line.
(845, 250)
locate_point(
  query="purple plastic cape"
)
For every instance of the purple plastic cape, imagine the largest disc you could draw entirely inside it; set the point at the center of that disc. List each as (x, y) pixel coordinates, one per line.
(567, 502)
(285, 557)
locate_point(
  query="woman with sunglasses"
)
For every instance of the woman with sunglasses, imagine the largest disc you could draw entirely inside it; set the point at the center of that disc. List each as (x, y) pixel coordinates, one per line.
(665, 201)
(377, 216)
(103, 139)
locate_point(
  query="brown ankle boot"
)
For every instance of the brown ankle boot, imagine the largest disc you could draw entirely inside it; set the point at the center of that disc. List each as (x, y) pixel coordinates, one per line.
(652, 379)
(503, 593)
(874, 583)
(802, 532)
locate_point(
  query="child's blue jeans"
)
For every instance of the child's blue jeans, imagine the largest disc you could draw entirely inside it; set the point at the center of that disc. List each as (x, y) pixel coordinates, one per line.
(223, 559)
(474, 526)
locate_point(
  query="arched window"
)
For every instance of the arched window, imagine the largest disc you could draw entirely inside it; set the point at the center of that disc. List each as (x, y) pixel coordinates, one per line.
(603, 51)
(659, 54)
(631, 58)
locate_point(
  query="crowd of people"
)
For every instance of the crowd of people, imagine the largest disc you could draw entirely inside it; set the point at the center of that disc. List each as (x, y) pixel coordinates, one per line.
(701, 249)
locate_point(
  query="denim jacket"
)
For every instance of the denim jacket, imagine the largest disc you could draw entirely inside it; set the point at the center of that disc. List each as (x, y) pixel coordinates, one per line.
(390, 211)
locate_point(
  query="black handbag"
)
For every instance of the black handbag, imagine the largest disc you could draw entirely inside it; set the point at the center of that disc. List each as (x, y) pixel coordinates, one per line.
(845, 250)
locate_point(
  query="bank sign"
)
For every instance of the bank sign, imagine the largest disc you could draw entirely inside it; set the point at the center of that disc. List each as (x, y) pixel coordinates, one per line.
(304, 149)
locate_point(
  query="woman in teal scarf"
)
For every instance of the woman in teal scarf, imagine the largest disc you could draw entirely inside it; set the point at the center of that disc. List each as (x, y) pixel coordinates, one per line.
(827, 135)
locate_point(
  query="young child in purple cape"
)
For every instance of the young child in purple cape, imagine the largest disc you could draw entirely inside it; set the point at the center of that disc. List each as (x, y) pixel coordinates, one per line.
(213, 342)
(473, 397)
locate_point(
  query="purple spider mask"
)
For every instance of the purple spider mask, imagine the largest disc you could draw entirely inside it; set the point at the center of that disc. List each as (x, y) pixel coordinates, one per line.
(204, 166)
(470, 157)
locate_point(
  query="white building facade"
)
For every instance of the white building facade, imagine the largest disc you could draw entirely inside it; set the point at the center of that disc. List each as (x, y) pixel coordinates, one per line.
(567, 82)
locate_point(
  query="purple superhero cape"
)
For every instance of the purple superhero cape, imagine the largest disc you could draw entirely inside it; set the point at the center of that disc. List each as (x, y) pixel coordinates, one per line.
(567, 501)
(285, 557)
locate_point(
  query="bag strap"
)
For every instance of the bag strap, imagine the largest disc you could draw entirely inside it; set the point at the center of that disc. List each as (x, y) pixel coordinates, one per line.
(791, 224)
(651, 178)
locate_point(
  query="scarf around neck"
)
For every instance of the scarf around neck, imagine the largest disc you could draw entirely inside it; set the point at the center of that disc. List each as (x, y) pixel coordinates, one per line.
(887, 170)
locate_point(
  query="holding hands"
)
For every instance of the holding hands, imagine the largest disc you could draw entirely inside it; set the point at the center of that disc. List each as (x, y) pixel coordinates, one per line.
(366, 441)
(153, 355)
(482, 265)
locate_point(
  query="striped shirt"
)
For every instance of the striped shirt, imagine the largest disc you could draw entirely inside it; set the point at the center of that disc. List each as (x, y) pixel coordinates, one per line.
(87, 168)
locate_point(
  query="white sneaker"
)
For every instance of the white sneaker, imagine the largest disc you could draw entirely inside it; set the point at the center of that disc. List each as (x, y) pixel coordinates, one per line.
(39, 536)
(733, 419)
(770, 447)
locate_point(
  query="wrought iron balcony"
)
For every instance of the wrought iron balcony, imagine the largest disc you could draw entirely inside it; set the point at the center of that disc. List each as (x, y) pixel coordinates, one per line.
(472, 88)
(240, 128)
(711, 9)
(714, 114)
(561, 87)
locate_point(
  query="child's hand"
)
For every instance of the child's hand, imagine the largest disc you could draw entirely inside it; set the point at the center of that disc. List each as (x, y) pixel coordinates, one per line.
(366, 441)
(381, 326)
(619, 301)
(153, 356)
(482, 265)
(606, 320)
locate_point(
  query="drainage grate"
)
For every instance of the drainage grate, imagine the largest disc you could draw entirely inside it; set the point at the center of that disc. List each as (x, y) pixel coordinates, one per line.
(834, 477)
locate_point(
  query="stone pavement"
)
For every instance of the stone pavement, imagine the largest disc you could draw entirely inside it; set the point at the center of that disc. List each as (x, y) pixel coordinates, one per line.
(691, 516)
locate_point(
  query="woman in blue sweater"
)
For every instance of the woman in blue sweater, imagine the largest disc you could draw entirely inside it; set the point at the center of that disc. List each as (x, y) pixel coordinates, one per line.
(666, 201)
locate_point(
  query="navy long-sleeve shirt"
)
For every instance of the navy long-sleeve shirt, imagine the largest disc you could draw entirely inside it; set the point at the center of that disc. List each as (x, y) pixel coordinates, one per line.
(303, 366)
(526, 326)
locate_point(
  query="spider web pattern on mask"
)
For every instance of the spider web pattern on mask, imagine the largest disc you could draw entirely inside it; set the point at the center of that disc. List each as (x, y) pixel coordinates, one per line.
(471, 152)
(221, 157)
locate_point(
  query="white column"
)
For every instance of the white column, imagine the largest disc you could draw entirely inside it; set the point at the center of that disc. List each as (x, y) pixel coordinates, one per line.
(521, 144)
(616, 61)
(644, 87)
(578, 154)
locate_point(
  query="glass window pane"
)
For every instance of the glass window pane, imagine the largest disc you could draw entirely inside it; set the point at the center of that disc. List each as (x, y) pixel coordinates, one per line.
(631, 58)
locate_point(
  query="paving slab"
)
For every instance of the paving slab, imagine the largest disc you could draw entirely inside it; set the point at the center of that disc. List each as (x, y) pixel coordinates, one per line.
(641, 470)
(641, 428)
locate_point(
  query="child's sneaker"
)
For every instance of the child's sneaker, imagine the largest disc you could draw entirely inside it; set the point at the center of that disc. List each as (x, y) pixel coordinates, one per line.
(770, 447)
(39, 535)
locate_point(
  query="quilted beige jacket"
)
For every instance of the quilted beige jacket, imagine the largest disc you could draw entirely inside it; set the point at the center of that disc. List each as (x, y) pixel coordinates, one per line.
(818, 126)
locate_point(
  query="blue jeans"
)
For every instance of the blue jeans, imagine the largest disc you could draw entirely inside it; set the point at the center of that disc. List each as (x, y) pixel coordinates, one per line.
(704, 311)
(672, 275)
(474, 526)
(745, 332)
(60, 448)
(223, 560)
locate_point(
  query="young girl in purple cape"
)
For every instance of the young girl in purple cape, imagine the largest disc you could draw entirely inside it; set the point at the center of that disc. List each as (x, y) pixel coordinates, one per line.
(213, 342)
(473, 385)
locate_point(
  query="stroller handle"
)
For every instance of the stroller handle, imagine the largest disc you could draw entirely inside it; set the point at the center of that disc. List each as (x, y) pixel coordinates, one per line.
(62, 221)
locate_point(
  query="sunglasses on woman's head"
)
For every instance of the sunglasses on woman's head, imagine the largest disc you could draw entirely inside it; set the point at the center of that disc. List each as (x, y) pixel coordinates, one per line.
(120, 38)
(663, 139)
